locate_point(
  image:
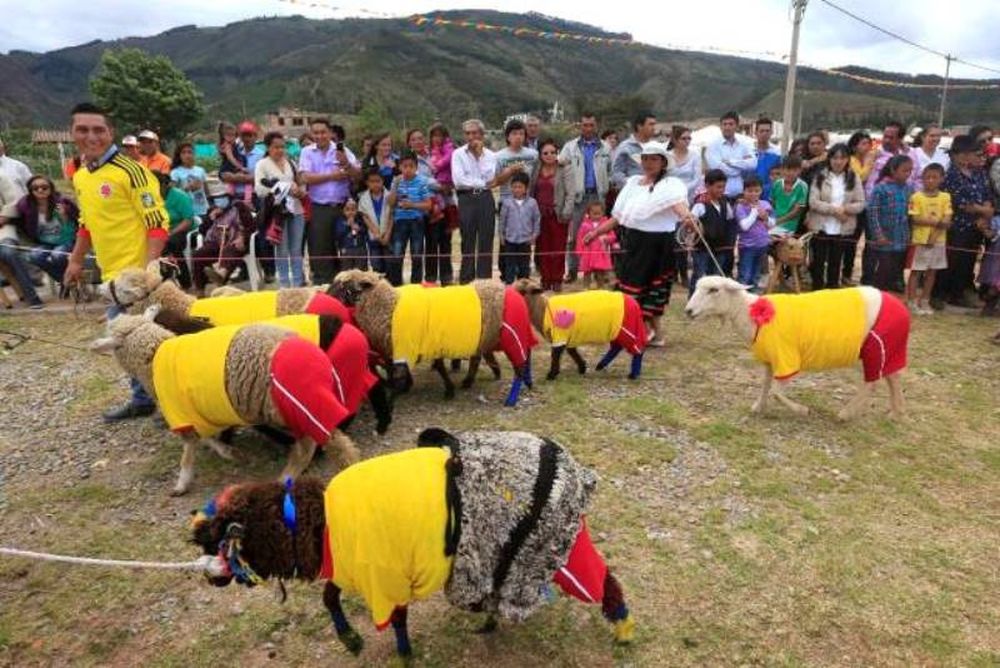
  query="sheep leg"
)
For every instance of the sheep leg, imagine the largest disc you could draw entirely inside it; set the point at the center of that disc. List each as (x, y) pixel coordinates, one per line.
(186, 474)
(525, 372)
(857, 402)
(456, 365)
(299, 457)
(636, 370)
(557, 352)
(772, 280)
(470, 377)
(343, 449)
(609, 356)
(347, 635)
(378, 396)
(615, 610)
(796, 280)
(449, 387)
(760, 405)
(895, 396)
(581, 365)
(515, 391)
(398, 619)
(220, 448)
(400, 378)
(794, 406)
(493, 364)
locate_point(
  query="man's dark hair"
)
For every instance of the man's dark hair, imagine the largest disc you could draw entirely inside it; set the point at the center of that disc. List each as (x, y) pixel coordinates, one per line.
(791, 162)
(520, 177)
(588, 114)
(730, 116)
(322, 120)
(89, 108)
(512, 125)
(640, 119)
(271, 136)
(714, 176)
(934, 167)
(370, 172)
(752, 182)
(896, 124)
(763, 120)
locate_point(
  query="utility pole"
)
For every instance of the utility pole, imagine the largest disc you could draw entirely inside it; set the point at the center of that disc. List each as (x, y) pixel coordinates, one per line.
(944, 90)
(793, 57)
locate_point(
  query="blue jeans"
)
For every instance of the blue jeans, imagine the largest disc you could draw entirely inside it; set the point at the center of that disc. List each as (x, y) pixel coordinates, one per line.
(407, 231)
(139, 395)
(702, 265)
(751, 261)
(12, 258)
(288, 254)
(51, 259)
(377, 256)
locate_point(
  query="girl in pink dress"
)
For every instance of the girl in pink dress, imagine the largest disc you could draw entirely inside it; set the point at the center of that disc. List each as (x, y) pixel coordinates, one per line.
(595, 257)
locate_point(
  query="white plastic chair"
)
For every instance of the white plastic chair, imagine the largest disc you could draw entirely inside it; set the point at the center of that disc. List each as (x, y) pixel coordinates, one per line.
(254, 270)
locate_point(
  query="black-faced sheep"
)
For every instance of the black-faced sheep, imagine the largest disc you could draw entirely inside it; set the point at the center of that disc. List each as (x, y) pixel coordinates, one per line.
(590, 317)
(136, 289)
(490, 517)
(826, 329)
(231, 376)
(412, 323)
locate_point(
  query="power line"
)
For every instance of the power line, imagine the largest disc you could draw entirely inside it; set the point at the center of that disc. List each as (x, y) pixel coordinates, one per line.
(906, 40)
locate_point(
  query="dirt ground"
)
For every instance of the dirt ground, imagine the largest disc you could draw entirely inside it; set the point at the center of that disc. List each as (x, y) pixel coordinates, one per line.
(740, 540)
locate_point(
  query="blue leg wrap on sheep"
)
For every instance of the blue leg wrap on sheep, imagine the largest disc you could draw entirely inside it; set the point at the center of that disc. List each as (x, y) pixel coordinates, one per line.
(515, 392)
(636, 367)
(403, 647)
(609, 357)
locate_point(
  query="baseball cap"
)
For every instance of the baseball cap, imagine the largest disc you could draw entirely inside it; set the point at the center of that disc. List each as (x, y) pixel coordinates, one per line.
(149, 134)
(130, 140)
(655, 148)
(247, 126)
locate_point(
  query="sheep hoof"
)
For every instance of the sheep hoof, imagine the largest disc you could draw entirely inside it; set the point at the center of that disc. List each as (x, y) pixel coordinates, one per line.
(551, 375)
(467, 383)
(496, 372)
(352, 641)
(183, 483)
(449, 392)
(382, 427)
(582, 369)
(757, 408)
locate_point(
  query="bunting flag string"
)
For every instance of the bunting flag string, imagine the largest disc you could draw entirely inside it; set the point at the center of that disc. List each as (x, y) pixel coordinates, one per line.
(907, 84)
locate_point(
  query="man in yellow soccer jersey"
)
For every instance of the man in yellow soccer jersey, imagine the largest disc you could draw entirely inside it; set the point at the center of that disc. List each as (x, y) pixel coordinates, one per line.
(122, 219)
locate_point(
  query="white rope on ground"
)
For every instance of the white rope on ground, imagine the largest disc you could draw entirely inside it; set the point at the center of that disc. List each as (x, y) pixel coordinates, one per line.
(201, 564)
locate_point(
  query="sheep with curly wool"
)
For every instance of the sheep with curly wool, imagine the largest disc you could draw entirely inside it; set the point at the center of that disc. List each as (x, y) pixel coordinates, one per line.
(825, 329)
(573, 319)
(492, 518)
(231, 376)
(412, 323)
(134, 290)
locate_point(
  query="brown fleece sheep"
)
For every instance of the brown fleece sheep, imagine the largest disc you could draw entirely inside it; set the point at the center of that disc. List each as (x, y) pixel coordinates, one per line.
(374, 301)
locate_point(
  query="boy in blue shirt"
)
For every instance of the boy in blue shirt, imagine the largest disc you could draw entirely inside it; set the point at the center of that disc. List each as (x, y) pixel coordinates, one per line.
(411, 201)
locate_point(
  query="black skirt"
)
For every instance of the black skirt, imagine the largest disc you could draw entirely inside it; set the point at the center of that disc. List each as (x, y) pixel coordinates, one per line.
(648, 269)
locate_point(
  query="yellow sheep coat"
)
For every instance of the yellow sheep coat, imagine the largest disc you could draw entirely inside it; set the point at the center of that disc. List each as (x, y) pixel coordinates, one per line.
(430, 323)
(812, 331)
(385, 527)
(237, 310)
(596, 317)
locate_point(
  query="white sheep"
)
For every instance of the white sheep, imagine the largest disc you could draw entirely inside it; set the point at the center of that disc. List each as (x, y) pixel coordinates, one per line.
(817, 330)
(231, 376)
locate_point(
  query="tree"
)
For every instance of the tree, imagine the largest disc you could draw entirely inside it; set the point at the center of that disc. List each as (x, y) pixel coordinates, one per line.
(140, 91)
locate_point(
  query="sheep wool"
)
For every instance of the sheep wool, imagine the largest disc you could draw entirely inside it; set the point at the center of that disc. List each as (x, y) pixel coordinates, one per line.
(592, 316)
(385, 527)
(433, 323)
(193, 396)
(258, 306)
(812, 331)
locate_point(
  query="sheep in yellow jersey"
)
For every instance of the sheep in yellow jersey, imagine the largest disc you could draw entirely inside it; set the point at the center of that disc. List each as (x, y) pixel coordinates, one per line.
(230, 376)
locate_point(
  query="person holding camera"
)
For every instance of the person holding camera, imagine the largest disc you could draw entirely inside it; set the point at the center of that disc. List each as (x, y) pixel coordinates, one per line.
(328, 169)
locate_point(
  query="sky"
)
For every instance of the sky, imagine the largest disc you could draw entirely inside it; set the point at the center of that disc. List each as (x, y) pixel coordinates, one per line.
(966, 28)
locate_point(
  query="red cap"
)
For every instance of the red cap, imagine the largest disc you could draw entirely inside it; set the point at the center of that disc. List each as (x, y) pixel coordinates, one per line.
(247, 126)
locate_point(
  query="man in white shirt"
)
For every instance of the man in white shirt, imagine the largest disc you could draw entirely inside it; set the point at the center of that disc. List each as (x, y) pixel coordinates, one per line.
(474, 172)
(15, 170)
(731, 155)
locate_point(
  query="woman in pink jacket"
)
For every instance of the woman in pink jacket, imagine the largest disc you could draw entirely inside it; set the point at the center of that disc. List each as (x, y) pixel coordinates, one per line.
(438, 242)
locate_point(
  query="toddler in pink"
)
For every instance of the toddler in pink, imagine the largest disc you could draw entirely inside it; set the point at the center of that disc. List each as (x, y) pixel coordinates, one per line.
(595, 258)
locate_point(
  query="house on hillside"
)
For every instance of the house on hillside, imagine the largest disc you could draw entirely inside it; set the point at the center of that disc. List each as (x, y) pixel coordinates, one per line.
(290, 119)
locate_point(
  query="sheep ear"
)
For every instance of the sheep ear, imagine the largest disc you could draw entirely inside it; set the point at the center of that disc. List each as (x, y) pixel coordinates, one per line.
(153, 267)
(151, 312)
(108, 344)
(735, 286)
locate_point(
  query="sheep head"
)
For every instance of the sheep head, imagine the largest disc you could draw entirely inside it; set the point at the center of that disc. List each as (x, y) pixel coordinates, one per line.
(719, 296)
(350, 287)
(132, 286)
(134, 340)
(793, 250)
(534, 295)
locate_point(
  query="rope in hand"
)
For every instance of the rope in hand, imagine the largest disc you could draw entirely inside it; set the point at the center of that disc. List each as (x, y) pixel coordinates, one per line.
(201, 564)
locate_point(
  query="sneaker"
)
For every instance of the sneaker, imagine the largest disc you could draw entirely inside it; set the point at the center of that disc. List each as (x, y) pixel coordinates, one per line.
(923, 310)
(129, 411)
(37, 305)
(912, 306)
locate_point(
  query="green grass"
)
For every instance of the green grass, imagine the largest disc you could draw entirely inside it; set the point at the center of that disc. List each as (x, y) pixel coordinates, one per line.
(770, 540)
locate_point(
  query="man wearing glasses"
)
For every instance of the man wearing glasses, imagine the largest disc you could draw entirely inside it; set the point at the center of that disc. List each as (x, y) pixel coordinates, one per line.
(590, 160)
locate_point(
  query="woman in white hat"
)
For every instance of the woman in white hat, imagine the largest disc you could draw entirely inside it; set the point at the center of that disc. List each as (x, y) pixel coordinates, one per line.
(650, 206)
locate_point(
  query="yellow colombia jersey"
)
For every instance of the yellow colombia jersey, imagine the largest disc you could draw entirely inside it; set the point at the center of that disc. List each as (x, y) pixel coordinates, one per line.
(385, 521)
(816, 330)
(120, 207)
(936, 208)
(238, 309)
(429, 323)
(189, 377)
(592, 316)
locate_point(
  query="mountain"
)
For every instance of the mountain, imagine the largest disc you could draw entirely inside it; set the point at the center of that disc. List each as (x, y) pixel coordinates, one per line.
(417, 74)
